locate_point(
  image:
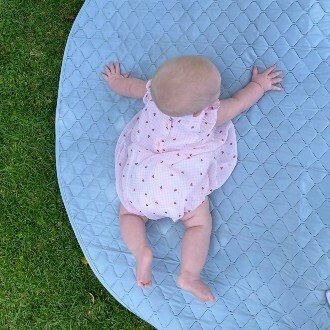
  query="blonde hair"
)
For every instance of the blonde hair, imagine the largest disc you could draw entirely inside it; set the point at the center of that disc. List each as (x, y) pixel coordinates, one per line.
(185, 85)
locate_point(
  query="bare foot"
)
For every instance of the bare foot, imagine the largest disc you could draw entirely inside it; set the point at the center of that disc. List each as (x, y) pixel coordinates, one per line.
(143, 267)
(195, 286)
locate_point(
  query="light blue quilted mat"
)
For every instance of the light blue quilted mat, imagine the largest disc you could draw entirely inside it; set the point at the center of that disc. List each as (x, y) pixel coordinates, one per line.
(269, 260)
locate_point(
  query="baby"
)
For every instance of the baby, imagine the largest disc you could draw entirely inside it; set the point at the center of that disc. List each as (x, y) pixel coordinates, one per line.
(178, 149)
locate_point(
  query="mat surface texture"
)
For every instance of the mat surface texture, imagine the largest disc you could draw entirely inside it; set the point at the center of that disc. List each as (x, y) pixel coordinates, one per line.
(269, 262)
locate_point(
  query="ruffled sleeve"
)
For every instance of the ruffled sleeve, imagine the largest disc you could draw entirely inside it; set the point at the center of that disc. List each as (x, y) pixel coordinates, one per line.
(209, 116)
(147, 96)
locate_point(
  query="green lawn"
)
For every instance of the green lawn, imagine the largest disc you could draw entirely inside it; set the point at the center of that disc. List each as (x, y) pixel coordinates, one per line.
(43, 283)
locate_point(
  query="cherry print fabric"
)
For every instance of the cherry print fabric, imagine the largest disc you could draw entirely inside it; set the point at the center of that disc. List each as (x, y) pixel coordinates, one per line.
(166, 166)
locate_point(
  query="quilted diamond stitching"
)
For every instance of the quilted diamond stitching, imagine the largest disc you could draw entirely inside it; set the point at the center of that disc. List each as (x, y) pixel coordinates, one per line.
(269, 253)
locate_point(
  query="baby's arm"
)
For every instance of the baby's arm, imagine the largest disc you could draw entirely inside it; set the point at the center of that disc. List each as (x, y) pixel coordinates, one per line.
(122, 84)
(250, 94)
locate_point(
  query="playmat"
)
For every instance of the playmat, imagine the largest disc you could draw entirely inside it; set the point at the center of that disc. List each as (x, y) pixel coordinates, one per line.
(269, 262)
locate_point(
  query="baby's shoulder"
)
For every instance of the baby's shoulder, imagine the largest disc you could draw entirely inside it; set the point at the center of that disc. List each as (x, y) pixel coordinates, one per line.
(209, 115)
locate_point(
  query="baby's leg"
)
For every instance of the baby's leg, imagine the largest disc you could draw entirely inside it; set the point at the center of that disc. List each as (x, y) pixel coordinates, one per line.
(134, 235)
(195, 248)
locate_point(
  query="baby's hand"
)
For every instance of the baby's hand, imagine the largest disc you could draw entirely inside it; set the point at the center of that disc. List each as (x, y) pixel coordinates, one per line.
(267, 79)
(112, 74)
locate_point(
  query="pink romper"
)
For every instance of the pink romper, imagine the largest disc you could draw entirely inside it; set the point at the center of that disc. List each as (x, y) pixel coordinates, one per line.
(166, 166)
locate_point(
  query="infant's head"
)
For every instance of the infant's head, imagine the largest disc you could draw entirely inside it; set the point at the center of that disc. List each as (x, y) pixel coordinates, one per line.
(185, 85)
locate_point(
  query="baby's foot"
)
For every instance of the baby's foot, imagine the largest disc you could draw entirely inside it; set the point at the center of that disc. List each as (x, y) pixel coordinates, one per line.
(143, 267)
(195, 286)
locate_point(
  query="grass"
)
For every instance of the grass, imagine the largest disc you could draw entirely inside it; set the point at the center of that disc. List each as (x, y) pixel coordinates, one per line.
(43, 283)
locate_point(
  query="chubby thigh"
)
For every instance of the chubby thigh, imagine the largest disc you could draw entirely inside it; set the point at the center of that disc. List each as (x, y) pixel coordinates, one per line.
(199, 216)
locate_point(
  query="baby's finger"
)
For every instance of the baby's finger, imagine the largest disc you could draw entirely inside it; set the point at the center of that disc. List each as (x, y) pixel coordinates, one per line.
(126, 75)
(276, 80)
(107, 70)
(275, 74)
(277, 88)
(270, 69)
(104, 76)
(112, 68)
(117, 68)
(254, 71)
